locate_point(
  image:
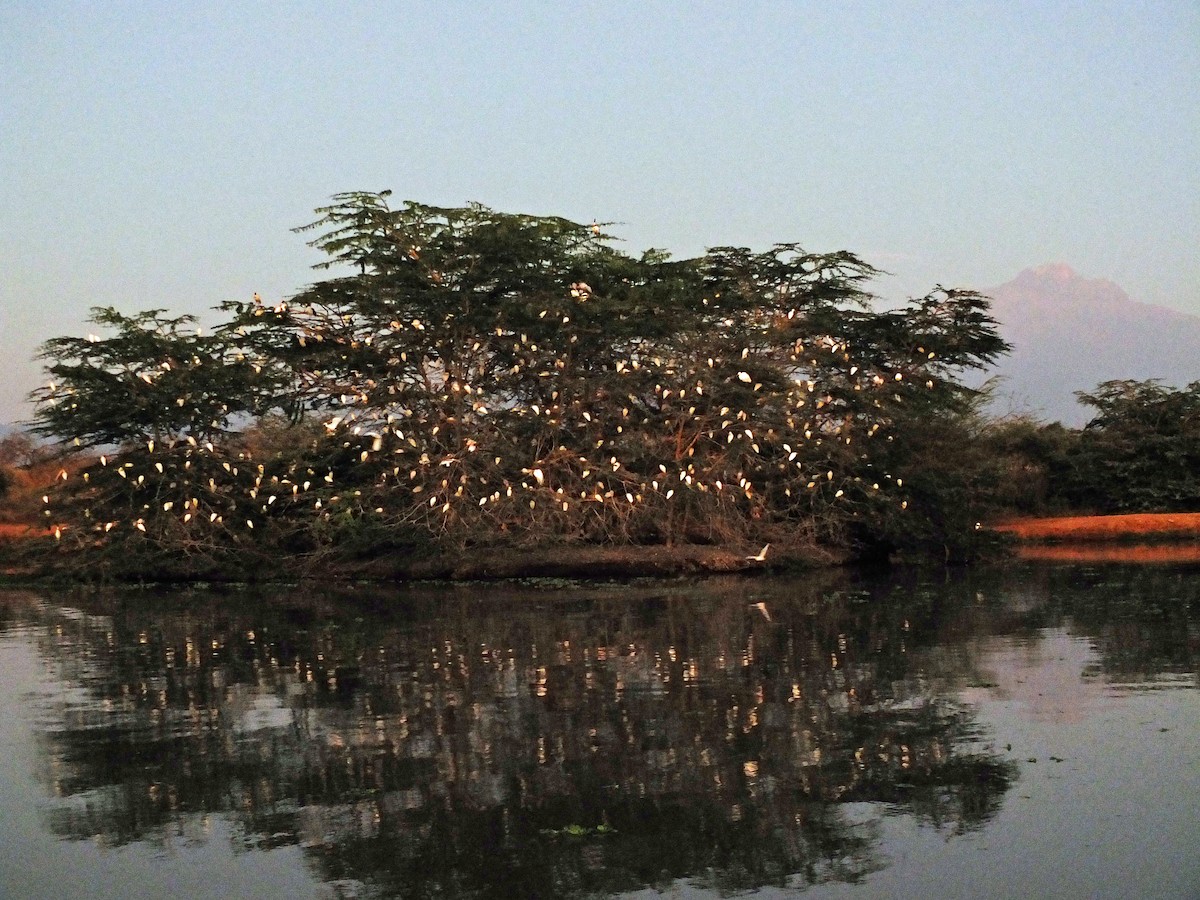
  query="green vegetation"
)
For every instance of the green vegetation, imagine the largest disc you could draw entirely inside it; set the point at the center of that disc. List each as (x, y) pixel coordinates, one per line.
(1139, 453)
(472, 379)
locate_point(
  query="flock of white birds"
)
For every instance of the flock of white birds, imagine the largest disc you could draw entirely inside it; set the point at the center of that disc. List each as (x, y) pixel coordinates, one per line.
(430, 424)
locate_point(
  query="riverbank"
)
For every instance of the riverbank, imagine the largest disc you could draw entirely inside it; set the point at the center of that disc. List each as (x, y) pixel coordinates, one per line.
(12, 531)
(20, 560)
(566, 561)
(1143, 538)
(1129, 527)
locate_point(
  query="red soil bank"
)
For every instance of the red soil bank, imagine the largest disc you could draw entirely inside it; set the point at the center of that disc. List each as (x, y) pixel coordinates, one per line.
(1105, 528)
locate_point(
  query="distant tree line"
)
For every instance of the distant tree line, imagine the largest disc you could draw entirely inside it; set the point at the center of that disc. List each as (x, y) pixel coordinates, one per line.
(1140, 452)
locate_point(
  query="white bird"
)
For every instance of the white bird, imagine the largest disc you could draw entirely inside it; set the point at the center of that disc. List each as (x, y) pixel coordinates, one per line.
(762, 608)
(761, 555)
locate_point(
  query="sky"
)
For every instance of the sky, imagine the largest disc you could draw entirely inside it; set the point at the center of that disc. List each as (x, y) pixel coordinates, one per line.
(158, 154)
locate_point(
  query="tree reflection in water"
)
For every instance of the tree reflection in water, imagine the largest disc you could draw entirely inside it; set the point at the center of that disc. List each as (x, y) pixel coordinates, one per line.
(496, 742)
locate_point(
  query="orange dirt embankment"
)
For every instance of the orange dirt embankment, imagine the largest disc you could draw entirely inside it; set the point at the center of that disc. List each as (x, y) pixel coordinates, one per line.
(10, 531)
(1174, 526)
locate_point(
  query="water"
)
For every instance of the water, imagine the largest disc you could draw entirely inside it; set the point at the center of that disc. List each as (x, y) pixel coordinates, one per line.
(1026, 732)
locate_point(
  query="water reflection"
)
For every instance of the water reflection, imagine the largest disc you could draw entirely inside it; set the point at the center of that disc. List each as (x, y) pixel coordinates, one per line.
(556, 743)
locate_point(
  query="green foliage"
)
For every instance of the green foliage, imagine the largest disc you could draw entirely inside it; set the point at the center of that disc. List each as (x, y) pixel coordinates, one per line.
(1140, 452)
(156, 378)
(164, 402)
(480, 377)
(952, 480)
(1029, 463)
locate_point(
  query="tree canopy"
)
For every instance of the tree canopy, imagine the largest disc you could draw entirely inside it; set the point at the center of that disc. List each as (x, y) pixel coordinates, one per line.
(1141, 450)
(487, 378)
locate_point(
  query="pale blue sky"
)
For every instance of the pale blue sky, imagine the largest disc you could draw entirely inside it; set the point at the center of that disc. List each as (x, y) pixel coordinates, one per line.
(157, 153)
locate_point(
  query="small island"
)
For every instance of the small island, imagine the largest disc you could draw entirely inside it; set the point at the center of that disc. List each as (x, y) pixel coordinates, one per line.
(476, 394)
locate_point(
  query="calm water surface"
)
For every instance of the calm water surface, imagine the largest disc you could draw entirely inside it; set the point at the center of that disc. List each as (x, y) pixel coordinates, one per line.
(1028, 732)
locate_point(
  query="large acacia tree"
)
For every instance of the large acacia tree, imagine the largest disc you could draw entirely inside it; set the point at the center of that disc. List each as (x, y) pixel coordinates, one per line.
(483, 377)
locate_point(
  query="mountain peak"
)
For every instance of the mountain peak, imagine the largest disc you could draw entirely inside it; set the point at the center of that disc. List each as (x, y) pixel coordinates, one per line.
(1055, 271)
(1057, 282)
(1070, 333)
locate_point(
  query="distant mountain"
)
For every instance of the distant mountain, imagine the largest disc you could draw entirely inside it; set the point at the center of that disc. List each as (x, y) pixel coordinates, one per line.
(1069, 333)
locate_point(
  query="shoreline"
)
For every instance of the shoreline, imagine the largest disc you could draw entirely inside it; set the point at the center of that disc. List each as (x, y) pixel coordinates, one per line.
(567, 561)
(1135, 537)
(1110, 528)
